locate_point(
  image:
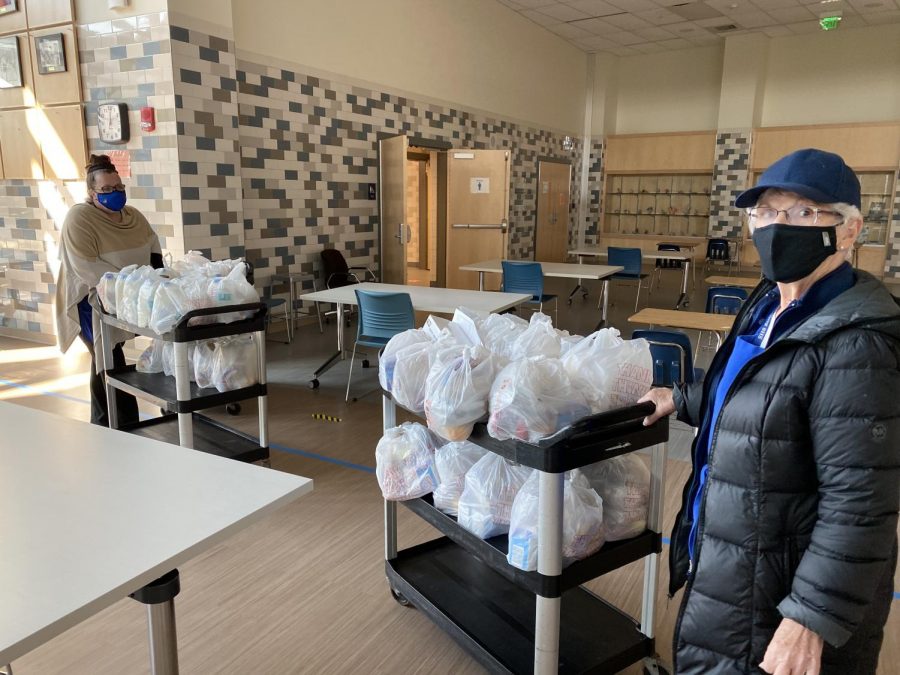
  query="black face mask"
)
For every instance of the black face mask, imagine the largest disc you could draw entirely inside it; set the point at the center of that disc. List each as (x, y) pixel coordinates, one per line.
(791, 252)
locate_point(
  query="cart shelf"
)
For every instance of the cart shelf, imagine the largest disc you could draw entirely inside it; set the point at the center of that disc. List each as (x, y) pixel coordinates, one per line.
(492, 552)
(159, 389)
(494, 619)
(209, 436)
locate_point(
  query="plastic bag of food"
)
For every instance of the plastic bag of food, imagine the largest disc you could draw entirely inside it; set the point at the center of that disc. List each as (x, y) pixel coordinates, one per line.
(614, 373)
(233, 289)
(169, 302)
(388, 357)
(235, 363)
(127, 303)
(147, 296)
(123, 274)
(191, 263)
(534, 398)
(106, 291)
(457, 390)
(168, 359)
(453, 462)
(583, 529)
(567, 341)
(499, 333)
(539, 339)
(411, 369)
(487, 498)
(404, 462)
(624, 484)
(151, 359)
(203, 360)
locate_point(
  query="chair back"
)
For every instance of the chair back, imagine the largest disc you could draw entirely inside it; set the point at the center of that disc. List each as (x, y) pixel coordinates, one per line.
(671, 352)
(523, 277)
(725, 300)
(629, 258)
(666, 264)
(383, 315)
(718, 249)
(335, 271)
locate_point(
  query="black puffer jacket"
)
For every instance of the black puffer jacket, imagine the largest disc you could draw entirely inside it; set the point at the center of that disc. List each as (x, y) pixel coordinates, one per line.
(799, 509)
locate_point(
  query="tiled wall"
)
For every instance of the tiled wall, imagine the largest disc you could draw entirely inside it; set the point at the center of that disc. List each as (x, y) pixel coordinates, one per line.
(594, 210)
(892, 259)
(730, 178)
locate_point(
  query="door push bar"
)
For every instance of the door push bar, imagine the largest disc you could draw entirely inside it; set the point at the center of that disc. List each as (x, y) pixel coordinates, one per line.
(502, 226)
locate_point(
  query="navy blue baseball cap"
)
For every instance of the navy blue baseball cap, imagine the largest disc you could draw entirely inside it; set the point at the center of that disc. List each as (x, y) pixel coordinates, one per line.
(821, 176)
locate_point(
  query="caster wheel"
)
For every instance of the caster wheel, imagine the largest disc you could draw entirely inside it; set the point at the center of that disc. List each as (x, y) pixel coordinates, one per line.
(163, 411)
(313, 384)
(233, 408)
(365, 363)
(399, 597)
(569, 302)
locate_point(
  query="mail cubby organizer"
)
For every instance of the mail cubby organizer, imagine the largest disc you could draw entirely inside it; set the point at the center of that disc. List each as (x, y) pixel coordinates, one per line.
(661, 204)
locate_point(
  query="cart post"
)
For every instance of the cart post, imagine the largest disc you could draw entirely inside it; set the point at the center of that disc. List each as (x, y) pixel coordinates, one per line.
(262, 401)
(183, 393)
(106, 357)
(654, 522)
(550, 525)
(389, 420)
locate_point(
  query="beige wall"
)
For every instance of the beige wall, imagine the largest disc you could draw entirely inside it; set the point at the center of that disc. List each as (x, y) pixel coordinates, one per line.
(672, 91)
(474, 53)
(850, 75)
(92, 11)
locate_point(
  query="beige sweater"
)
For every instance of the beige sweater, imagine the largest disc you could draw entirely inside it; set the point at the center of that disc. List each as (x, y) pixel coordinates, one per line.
(94, 242)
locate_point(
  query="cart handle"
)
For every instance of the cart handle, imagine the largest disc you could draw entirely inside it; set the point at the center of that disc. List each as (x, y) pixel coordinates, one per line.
(619, 419)
(258, 307)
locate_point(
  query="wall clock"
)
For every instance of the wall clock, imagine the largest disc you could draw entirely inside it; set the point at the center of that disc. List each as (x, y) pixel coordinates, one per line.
(112, 122)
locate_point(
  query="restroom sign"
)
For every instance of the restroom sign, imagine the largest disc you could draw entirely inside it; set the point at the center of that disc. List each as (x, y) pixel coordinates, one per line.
(479, 185)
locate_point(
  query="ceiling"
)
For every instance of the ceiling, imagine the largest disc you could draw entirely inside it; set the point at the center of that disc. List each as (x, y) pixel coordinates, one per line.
(629, 27)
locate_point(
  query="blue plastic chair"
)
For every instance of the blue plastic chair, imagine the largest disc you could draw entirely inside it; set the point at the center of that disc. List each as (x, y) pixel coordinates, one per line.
(631, 259)
(528, 277)
(381, 317)
(718, 251)
(671, 352)
(725, 300)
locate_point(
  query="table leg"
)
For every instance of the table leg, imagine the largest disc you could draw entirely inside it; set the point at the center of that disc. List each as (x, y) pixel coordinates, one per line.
(293, 296)
(159, 596)
(481, 281)
(603, 305)
(338, 355)
(685, 270)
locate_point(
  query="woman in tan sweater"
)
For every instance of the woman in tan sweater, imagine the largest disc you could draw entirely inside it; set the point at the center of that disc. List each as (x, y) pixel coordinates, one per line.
(100, 235)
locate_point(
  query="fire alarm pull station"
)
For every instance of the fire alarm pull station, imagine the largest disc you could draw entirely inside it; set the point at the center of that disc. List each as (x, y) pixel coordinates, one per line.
(148, 119)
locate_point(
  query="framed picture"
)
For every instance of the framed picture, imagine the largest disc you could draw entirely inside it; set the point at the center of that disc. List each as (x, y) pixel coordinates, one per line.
(10, 66)
(51, 53)
(7, 6)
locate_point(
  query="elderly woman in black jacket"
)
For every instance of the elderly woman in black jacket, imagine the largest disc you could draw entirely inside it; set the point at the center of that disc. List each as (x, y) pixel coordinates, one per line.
(787, 536)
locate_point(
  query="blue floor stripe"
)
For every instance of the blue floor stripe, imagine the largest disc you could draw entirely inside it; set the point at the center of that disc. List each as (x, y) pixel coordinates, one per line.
(26, 387)
(665, 541)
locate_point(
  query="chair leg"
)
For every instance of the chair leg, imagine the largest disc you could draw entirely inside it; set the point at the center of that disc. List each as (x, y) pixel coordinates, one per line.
(556, 311)
(637, 297)
(697, 348)
(350, 374)
(319, 315)
(287, 323)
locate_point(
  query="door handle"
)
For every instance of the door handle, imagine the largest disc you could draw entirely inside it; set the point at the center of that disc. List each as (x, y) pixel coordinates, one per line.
(399, 234)
(408, 233)
(502, 225)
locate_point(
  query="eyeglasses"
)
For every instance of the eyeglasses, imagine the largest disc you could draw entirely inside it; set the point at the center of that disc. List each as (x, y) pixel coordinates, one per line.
(109, 189)
(799, 214)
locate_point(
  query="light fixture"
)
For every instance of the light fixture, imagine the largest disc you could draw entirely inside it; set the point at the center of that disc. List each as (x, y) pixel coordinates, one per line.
(568, 143)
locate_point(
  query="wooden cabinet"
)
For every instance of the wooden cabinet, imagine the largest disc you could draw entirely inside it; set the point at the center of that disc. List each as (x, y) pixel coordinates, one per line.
(662, 204)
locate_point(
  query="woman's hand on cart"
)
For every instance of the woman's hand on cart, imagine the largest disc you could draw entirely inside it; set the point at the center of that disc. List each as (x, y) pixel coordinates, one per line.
(662, 398)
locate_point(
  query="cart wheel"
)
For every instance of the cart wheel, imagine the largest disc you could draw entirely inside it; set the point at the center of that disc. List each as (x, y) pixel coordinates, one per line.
(233, 408)
(686, 304)
(569, 302)
(400, 598)
(365, 363)
(313, 384)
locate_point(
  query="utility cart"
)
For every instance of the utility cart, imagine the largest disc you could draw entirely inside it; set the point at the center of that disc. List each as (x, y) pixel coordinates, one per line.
(180, 398)
(512, 621)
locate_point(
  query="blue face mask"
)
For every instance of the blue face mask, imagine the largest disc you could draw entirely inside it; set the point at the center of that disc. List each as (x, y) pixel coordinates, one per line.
(114, 201)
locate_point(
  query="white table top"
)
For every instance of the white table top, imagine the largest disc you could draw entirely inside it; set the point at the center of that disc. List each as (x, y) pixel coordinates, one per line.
(426, 298)
(655, 255)
(89, 515)
(551, 269)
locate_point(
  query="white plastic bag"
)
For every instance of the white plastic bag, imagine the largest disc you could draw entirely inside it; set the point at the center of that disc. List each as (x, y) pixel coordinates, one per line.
(487, 498)
(233, 289)
(151, 359)
(147, 296)
(203, 360)
(127, 303)
(389, 355)
(168, 359)
(499, 333)
(583, 531)
(614, 373)
(106, 291)
(193, 262)
(539, 339)
(410, 375)
(234, 363)
(123, 274)
(404, 462)
(452, 462)
(534, 398)
(624, 484)
(169, 302)
(457, 390)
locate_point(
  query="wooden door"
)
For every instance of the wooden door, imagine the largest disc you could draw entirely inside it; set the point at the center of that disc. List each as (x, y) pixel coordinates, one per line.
(392, 208)
(477, 213)
(552, 222)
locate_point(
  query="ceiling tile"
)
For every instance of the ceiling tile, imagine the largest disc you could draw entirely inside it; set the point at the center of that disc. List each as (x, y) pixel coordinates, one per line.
(659, 16)
(756, 19)
(649, 48)
(539, 18)
(595, 42)
(731, 6)
(669, 3)
(623, 37)
(623, 51)
(568, 30)
(878, 18)
(791, 14)
(805, 27)
(686, 29)
(593, 7)
(712, 23)
(596, 26)
(692, 11)
(562, 12)
(655, 33)
(677, 43)
(766, 5)
(627, 21)
(866, 6)
(777, 31)
(855, 20)
(633, 5)
(532, 4)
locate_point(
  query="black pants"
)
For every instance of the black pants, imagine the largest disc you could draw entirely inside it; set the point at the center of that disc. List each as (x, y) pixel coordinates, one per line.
(126, 404)
(859, 655)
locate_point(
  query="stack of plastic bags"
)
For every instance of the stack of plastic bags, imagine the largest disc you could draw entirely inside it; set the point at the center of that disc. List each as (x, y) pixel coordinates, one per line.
(405, 462)
(623, 482)
(227, 363)
(453, 462)
(159, 298)
(486, 502)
